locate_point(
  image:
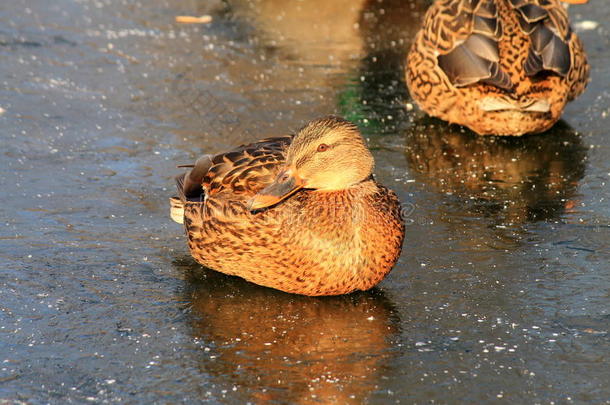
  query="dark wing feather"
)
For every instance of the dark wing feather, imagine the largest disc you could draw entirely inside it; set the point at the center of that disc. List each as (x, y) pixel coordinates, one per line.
(556, 56)
(518, 3)
(483, 47)
(532, 13)
(499, 78)
(189, 184)
(476, 60)
(487, 9)
(489, 27)
(472, 55)
(540, 37)
(533, 63)
(549, 31)
(466, 34)
(244, 170)
(464, 67)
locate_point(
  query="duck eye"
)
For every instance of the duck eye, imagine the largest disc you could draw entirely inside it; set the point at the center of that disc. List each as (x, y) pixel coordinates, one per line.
(322, 147)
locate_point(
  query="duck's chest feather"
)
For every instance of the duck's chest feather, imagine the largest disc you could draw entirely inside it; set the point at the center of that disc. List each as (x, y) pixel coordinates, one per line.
(315, 243)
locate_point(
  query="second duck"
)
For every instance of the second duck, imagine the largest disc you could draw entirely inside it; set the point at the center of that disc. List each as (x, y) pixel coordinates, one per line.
(501, 67)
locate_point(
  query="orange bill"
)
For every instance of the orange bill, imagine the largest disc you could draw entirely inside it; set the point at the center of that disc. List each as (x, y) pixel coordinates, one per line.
(285, 184)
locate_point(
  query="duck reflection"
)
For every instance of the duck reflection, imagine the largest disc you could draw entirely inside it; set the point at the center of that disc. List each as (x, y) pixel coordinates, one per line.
(289, 348)
(319, 55)
(335, 33)
(308, 31)
(534, 178)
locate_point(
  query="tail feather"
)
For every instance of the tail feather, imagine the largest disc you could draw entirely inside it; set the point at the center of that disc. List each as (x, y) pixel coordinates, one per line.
(191, 181)
(507, 104)
(176, 210)
(189, 186)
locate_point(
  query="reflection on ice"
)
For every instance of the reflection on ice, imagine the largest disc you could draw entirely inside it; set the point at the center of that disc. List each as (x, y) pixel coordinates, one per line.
(290, 348)
(534, 178)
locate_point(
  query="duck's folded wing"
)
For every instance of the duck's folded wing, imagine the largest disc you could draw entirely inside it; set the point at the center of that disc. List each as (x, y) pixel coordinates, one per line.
(466, 35)
(242, 171)
(549, 31)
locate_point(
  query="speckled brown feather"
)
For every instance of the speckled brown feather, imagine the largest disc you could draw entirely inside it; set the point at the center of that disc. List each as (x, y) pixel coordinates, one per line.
(503, 67)
(312, 243)
(245, 169)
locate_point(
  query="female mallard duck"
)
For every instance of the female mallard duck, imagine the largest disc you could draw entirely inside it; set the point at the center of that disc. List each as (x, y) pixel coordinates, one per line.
(301, 214)
(502, 67)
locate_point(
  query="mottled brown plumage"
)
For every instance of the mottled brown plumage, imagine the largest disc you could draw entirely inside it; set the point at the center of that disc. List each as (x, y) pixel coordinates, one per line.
(300, 214)
(503, 67)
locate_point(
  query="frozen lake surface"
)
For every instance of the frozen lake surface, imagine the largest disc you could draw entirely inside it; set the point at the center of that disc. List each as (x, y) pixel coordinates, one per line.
(502, 293)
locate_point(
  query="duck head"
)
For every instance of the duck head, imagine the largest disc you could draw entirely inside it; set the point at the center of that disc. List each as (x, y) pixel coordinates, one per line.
(327, 154)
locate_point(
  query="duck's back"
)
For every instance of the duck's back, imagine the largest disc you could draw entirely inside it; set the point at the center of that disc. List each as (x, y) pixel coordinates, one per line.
(237, 174)
(497, 66)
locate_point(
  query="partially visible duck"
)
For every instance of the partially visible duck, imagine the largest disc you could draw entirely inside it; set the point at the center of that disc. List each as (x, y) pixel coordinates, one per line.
(501, 67)
(301, 214)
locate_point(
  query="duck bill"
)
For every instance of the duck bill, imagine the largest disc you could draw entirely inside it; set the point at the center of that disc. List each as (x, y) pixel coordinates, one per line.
(285, 184)
(575, 1)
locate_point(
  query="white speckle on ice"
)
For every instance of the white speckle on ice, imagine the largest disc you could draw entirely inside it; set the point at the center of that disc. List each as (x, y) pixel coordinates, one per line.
(585, 25)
